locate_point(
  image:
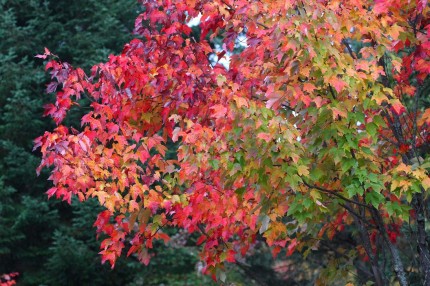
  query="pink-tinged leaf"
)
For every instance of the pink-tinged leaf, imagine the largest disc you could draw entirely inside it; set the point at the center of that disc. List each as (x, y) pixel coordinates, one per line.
(112, 128)
(381, 6)
(175, 134)
(308, 87)
(52, 87)
(132, 250)
(397, 106)
(218, 111)
(156, 16)
(273, 103)
(51, 192)
(84, 143)
(292, 246)
(171, 30)
(144, 256)
(397, 45)
(154, 141)
(38, 142)
(40, 56)
(108, 256)
(337, 83)
(45, 55)
(50, 109)
(265, 136)
(421, 5)
(143, 154)
(318, 101)
(338, 113)
(306, 100)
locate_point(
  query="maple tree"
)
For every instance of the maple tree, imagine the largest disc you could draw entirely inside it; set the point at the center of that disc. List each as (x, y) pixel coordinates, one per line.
(317, 126)
(8, 279)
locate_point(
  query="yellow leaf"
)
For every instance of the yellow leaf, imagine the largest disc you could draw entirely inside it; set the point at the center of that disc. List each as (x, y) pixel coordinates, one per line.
(315, 195)
(426, 183)
(394, 185)
(379, 97)
(101, 196)
(405, 185)
(419, 174)
(395, 31)
(425, 117)
(176, 199)
(220, 79)
(404, 168)
(110, 203)
(302, 170)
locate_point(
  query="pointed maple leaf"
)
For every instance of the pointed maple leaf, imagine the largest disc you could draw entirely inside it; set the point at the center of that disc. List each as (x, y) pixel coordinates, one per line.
(45, 55)
(425, 117)
(218, 111)
(397, 106)
(337, 83)
(265, 136)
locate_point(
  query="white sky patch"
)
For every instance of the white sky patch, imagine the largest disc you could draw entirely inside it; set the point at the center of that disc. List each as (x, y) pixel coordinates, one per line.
(195, 21)
(225, 60)
(242, 40)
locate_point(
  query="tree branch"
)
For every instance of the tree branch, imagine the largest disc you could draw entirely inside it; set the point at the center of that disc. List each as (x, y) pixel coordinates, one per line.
(334, 193)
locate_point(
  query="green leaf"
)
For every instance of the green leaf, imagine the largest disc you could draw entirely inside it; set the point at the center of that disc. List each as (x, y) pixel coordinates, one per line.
(264, 220)
(351, 190)
(371, 129)
(215, 164)
(360, 117)
(316, 174)
(307, 203)
(379, 121)
(374, 198)
(348, 163)
(157, 220)
(240, 191)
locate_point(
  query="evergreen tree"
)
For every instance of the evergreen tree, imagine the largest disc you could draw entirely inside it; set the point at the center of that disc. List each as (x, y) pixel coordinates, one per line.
(78, 31)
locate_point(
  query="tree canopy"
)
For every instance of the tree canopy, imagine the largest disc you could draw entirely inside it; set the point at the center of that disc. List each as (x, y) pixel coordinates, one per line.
(319, 125)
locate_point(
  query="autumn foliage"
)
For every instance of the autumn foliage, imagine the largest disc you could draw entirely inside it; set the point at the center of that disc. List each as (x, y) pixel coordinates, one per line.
(8, 279)
(319, 125)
